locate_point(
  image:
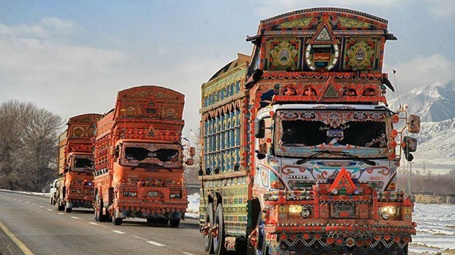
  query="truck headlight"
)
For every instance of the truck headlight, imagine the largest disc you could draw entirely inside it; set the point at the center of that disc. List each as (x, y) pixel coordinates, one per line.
(388, 211)
(175, 195)
(295, 209)
(130, 194)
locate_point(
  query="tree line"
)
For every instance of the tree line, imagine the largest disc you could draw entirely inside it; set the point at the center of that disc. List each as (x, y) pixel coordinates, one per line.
(428, 183)
(28, 146)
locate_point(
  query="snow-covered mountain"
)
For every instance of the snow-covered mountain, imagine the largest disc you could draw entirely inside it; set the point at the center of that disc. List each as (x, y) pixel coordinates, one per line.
(435, 104)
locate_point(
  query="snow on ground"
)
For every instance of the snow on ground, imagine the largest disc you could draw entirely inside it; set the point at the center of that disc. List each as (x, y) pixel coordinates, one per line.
(435, 226)
(193, 206)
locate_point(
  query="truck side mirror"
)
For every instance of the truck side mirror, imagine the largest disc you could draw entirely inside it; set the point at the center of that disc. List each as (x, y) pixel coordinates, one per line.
(117, 151)
(259, 128)
(409, 145)
(189, 162)
(414, 124)
(192, 151)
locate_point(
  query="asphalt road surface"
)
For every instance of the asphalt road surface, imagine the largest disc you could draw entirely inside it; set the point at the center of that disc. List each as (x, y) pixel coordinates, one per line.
(30, 225)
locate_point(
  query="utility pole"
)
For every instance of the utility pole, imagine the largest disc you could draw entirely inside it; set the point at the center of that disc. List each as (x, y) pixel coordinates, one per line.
(410, 179)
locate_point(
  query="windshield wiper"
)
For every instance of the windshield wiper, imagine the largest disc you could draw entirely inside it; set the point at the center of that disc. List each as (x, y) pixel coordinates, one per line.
(312, 156)
(367, 161)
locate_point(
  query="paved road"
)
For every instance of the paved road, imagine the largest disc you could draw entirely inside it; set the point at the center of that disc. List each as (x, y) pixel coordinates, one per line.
(30, 225)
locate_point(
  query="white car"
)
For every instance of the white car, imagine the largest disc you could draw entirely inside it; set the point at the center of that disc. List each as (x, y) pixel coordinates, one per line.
(53, 191)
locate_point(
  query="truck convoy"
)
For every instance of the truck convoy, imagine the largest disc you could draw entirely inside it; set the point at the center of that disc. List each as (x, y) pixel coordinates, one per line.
(139, 158)
(299, 147)
(74, 186)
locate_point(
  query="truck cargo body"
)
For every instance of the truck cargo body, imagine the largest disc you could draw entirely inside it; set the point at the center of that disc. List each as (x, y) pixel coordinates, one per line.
(139, 159)
(299, 148)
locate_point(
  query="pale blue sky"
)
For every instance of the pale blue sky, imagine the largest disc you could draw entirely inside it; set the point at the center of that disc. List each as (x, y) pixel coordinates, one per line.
(71, 57)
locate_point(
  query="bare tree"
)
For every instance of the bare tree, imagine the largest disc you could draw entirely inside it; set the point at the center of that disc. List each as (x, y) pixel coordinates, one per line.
(28, 153)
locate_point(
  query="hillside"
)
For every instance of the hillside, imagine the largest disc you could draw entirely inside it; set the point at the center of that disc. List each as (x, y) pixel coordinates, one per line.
(435, 104)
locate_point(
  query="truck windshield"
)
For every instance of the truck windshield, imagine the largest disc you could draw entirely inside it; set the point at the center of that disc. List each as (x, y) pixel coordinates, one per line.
(148, 154)
(83, 163)
(346, 129)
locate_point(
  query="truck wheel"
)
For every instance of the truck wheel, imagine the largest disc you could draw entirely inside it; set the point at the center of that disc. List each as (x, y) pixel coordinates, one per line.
(174, 223)
(59, 206)
(208, 239)
(116, 221)
(68, 209)
(218, 240)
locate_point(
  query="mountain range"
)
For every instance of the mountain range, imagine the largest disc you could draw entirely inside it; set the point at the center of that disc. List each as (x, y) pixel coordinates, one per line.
(435, 104)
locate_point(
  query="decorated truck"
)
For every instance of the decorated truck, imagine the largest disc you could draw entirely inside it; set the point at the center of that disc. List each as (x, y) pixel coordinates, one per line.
(300, 150)
(139, 158)
(74, 186)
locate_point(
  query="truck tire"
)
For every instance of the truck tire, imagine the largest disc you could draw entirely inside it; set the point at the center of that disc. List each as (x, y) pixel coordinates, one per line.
(58, 205)
(218, 241)
(68, 209)
(115, 219)
(174, 223)
(208, 239)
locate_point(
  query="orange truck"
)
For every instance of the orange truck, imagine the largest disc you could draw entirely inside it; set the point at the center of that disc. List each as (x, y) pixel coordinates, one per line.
(74, 186)
(139, 158)
(300, 151)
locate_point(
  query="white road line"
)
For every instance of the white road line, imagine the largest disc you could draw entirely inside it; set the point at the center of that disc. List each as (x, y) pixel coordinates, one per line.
(93, 223)
(118, 232)
(140, 238)
(50, 210)
(187, 253)
(41, 206)
(76, 218)
(61, 213)
(155, 243)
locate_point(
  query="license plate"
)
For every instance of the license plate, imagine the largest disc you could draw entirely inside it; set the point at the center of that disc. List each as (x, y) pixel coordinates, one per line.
(335, 133)
(343, 211)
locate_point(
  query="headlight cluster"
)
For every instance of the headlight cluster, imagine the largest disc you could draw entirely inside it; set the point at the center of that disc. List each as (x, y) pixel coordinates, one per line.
(155, 194)
(304, 211)
(176, 195)
(130, 194)
(388, 212)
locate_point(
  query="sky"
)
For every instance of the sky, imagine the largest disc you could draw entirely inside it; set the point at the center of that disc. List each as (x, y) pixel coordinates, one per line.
(72, 57)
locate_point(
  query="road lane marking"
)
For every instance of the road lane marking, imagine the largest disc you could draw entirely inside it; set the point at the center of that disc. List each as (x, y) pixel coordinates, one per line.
(140, 238)
(118, 232)
(41, 206)
(18, 242)
(61, 213)
(50, 210)
(155, 243)
(76, 218)
(93, 223)
(187, 253)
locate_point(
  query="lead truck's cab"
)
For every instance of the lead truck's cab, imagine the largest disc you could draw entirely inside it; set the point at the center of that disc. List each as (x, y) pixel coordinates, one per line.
(300, 150)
